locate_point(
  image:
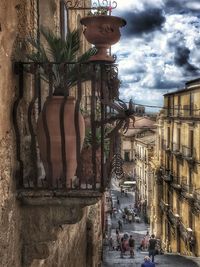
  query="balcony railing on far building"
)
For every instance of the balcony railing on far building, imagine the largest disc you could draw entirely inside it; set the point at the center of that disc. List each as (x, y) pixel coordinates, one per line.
(176, 183)
(187, 189)
(188, 153)
(166, 146)
(164, 206)
(197, 195)
(176, 149)
(174, 218)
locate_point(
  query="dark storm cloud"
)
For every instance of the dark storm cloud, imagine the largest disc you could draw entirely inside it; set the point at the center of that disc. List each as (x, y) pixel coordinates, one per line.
(182, 57)
(166, 84)
(181, 6)
(143, 22)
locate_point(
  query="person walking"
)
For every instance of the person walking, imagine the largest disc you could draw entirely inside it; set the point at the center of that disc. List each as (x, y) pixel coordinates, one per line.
(152, 247)
(111, 245)
(131, 243)
(120, 225)
(122, 247)
(147, 262)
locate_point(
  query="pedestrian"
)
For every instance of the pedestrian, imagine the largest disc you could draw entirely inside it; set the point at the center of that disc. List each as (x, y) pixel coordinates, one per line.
(120, 225)
(131, 243)
(118, 202)
(142, 244)
(124, 218)
(147, 262)
(122, 247)
(152, 247)
(130, 218)
(111, 246)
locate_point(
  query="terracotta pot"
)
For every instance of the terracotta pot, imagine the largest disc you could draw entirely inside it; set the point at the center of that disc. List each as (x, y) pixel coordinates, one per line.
(102, 31)
(53, 105)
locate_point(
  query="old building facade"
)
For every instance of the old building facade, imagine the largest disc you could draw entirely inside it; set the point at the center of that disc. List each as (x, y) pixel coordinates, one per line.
(144, 147)
(175, 217)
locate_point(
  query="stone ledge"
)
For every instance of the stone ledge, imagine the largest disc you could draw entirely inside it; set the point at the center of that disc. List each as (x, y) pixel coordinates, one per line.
(58, 197)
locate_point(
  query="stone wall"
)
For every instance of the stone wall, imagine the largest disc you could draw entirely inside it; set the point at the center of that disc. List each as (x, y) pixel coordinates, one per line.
(10, 244)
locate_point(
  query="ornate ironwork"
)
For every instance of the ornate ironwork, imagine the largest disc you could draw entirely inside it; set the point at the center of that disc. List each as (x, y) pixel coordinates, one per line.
(123, 117)
(27, 106)
(96, 5)
(174, 218)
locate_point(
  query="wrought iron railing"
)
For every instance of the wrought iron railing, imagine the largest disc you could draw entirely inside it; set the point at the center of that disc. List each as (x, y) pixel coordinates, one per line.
(167, 175)
(93, 157)
(164, 206)
(197, 194)
(188, 152)
(176, 183)
(166, 145)
(186, 233)
(176, 148)
(174, 218)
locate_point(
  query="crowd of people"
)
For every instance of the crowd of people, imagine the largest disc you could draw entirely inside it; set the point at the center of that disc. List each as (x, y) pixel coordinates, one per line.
(126, 244)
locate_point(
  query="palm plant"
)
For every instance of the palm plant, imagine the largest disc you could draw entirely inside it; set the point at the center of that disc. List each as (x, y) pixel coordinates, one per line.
(59, 51)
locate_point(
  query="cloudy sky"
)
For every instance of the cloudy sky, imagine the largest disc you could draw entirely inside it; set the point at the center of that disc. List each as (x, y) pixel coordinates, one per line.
(159, 48)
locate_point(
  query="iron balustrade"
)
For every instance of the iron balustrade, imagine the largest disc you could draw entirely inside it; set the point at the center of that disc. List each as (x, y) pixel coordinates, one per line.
(197, 194)
(176, 148)
(174, 218)
(167, 175)
(164, 206)
(32, 90)
(176, 184)
(187, 189)
(187, 152)
(186, 233)
(166, 145)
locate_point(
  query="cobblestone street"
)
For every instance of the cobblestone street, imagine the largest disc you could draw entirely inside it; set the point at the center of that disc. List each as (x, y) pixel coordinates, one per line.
(111, 258)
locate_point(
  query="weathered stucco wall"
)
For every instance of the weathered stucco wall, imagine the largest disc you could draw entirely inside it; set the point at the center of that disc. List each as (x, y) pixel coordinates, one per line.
(9, 209)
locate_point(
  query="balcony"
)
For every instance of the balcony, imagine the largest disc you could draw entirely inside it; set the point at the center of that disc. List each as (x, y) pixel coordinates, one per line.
(164, 206)
(176, 150)
(186, 232)
(85, 177)
(166, 146)
(174, 218)
(176, 184)
(187, 190)
(188, 154)
(167, 175)
(197, 195)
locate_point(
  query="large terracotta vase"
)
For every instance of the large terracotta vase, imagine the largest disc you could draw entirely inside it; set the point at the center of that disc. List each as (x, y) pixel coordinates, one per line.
(102, 31)
(53, 106)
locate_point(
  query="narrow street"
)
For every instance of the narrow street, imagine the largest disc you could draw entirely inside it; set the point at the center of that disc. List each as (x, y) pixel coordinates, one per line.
(111, 258)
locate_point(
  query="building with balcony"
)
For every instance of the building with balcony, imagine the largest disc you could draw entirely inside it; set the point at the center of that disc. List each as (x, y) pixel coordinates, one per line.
(143, 126)
(144, 147)
(48, 217)
(177, 172)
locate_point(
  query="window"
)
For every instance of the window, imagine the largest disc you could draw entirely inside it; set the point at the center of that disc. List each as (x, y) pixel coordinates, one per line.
(191, 142)
(168, 136)
(178, 138)
(127, 156)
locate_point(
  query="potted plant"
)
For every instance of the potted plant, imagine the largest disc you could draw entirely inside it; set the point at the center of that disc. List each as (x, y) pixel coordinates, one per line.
(102, 31)
(50, 126)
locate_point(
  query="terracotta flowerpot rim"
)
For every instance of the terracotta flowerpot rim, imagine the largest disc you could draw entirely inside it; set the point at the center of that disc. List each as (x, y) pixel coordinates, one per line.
(88, 18)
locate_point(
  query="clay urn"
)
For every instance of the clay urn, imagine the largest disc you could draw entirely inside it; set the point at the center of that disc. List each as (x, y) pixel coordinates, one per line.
(48, 124)
(102, 31)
